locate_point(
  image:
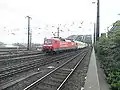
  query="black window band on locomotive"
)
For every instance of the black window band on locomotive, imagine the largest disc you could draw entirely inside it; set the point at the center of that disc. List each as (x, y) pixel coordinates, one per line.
(48, 41)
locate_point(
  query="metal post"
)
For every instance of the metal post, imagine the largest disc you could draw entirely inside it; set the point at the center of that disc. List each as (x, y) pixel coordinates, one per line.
(94, 34)
(30, 39)
(28, 46)
(98, 20)
(58, 31)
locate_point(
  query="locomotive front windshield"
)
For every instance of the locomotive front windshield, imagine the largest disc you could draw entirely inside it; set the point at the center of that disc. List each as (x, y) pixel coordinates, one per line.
(48, 41)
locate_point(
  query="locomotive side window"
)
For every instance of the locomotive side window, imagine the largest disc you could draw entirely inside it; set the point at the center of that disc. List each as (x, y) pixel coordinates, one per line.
(48, 41)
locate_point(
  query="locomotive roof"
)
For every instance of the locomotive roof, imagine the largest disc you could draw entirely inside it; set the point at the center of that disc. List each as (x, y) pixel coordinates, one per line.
(61, 39)
(55, 38)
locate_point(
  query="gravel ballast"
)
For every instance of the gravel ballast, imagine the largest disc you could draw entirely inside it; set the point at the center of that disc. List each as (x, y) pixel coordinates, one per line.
(77, 80)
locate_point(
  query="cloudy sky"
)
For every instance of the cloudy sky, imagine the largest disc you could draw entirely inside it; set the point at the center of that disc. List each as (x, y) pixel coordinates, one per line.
(48, 13)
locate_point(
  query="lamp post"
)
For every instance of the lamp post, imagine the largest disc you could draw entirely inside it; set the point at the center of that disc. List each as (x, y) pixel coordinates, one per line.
(94, 34)
(98, 20)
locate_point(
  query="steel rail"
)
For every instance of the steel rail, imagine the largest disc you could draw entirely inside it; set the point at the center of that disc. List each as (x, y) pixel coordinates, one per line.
(8, 85)
(34, 83)
(71, 72)
(22, 57)
(32, 65)
(25, 63)
(18, 55)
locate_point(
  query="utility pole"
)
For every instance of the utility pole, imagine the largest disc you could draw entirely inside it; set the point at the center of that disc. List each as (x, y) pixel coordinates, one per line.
(94, 34)
(98, 20)
(58, 31)
(29, 39)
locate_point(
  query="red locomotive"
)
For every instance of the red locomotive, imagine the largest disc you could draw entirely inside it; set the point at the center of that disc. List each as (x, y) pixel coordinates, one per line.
(58, 44)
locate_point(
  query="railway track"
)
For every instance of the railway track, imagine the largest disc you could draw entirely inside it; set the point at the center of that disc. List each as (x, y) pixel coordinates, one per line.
(12, 49)
(20, 54)
(56, 79)
(11, 62)
(18, 60)
(8, 85)
(8, 71)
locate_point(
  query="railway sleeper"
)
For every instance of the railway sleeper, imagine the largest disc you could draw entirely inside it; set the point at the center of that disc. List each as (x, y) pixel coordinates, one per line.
(62, 74)
(65, 71)
(16, 71)
(50, 83)
(55, 80)
(58, 76)
(42, 88)
(46, 85)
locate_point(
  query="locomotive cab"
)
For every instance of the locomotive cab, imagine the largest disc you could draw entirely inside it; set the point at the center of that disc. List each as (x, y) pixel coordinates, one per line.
(47, 47)
(50, 45)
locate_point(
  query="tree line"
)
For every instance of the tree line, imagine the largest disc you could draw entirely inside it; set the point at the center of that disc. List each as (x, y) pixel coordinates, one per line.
(108, 52)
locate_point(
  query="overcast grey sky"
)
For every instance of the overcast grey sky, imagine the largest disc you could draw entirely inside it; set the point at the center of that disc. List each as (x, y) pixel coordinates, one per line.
(48, 13)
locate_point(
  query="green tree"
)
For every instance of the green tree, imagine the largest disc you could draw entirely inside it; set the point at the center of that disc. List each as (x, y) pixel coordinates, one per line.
(108, 51)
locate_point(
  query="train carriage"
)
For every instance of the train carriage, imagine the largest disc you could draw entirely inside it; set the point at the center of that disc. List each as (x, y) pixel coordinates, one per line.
(58, 44)
(81, 44)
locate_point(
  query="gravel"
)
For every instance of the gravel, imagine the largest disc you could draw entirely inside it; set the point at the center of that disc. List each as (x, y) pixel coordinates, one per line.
(74, 83)
(17, 60)
(77, 80)
(43, 70)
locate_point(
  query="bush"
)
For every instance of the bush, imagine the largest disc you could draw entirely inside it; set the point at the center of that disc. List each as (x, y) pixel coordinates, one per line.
(108, 51)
